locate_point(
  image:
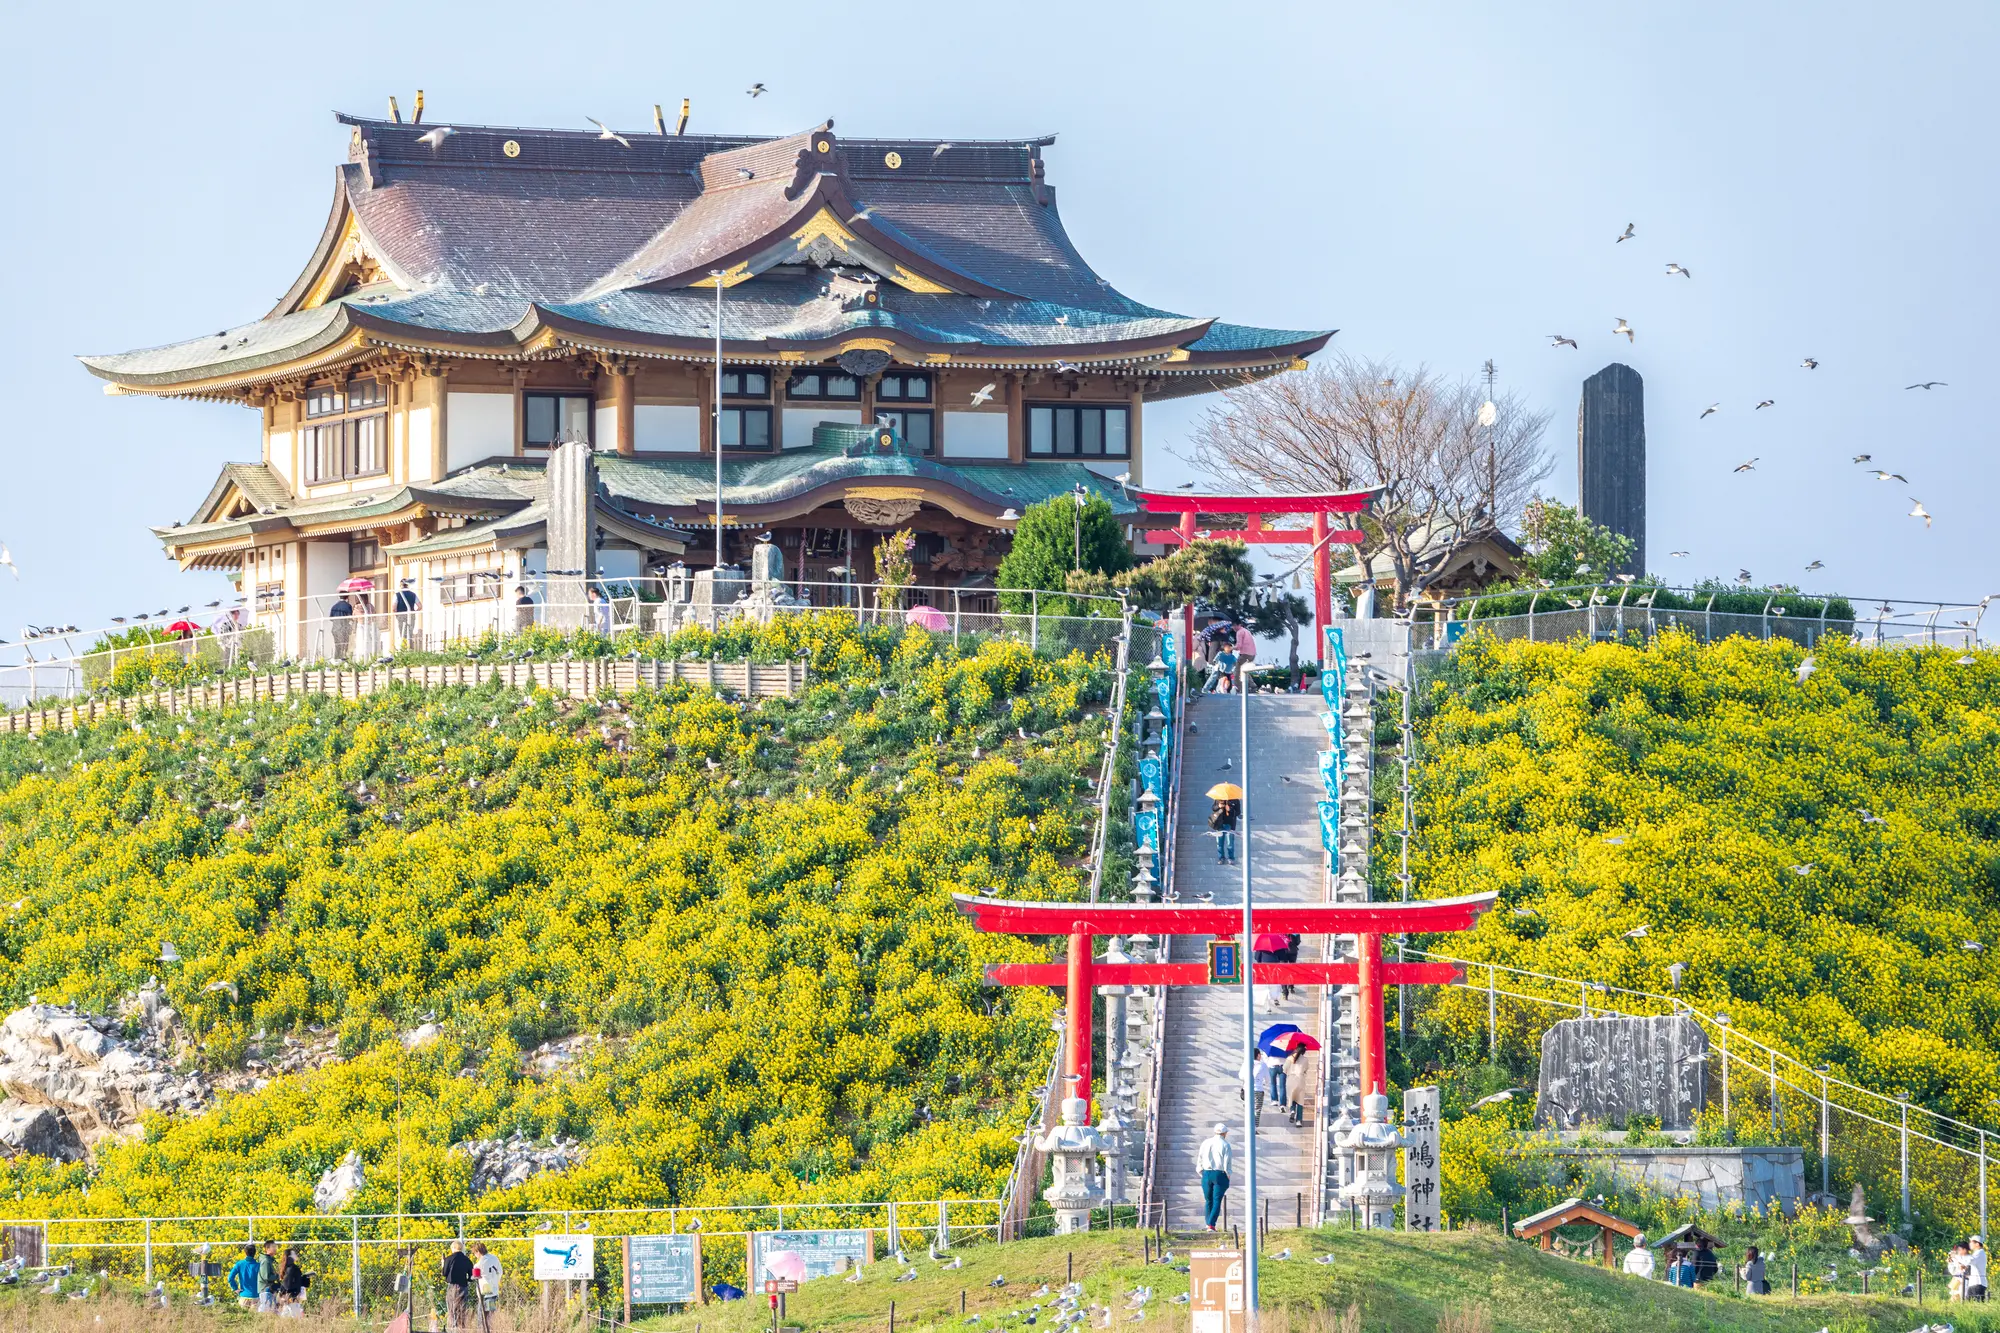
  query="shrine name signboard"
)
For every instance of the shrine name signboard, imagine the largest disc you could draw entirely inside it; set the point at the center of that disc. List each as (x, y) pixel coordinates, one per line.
(1422, 1207)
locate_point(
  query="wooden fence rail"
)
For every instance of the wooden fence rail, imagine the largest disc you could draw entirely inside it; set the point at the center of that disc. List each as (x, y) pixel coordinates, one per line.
(576, 679)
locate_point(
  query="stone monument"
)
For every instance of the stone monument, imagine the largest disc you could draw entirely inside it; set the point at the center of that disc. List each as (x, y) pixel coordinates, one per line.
(1603, 1071)
(767, 583)
(1075, 1146)
(570, 487)
(1611, 457)
(716, 593)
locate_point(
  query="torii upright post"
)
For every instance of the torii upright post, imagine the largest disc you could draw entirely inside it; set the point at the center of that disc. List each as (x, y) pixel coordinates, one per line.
(1077, 1035)
(1321, 536)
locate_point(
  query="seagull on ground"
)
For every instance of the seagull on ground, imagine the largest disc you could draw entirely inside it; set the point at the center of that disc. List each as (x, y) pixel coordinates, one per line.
(755, 90)
(1804, 869)
(1919, 511)
(983, 395)
(1972, 946)
(1623, 328)
(1750, 466)
(1928, 384)
(1324, 1259)
(1557, 340)
(606, 132)
(1676, 269)
(1628, 234)
(435, 139)
(1806, 668)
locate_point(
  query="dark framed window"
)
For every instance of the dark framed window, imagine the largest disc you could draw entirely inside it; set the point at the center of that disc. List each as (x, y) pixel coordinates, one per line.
(746, 427)
(326, 401)
(366, 393)
(903, 387)
(1073, 430)
(342, 450)
(824, 386)
(916, 427)
(364, 555)
(746, 384)
(548, 419)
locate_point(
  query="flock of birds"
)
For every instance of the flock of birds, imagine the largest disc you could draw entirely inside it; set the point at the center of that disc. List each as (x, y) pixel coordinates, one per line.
(1677, 270)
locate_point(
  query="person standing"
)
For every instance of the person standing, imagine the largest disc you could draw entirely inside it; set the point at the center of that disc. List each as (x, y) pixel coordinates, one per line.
(486, 1273)
(405, 606)
(524, 610)
(1752, 1274)
(1975, 1277)
(597, 610)
(267, 1279)
(1639, 1262)
(292, 1284)
(1222, 818)
(1294, 1081)
(340, 619)
(1246, 646)
(1279, 1079)
(457, 1278)
(1213, 1159)
(1706, 1265)
(243, 1278)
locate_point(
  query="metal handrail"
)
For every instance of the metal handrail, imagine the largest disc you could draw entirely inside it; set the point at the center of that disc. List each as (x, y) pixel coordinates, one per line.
(1168, 859)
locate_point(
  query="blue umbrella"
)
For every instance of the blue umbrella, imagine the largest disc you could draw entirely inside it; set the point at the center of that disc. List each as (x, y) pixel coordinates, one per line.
(723, 1291)
(1268, 1039)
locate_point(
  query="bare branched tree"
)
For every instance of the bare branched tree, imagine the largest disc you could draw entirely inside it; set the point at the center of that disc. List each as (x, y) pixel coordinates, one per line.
(1450, 476)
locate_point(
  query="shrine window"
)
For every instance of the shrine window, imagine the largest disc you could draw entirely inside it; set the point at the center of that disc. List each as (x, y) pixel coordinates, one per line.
(903, 387)
(363, 556)
(823, 386)
(1068, 430)
(916, 427)
(343, 448)
(326, 401)
(746, 428)
(746, 384)
(549, 419)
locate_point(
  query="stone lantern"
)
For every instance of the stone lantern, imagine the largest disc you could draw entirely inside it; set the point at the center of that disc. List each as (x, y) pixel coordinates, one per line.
(1074, 1146)
(1373, 1190)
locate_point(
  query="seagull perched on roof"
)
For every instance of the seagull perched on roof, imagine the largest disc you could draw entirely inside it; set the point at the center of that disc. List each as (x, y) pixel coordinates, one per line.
(435, 139)
(744, 173)
(1623, 328)
(1628, 234)
(1673, 269)
(1557, 340)
(606, 132)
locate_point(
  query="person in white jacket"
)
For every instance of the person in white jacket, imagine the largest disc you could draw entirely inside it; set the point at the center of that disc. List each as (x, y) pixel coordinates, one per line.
(1212, 1159)
(1639, 1263)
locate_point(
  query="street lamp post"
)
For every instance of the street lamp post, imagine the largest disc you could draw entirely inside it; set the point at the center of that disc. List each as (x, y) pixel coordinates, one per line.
(717, 408)
(1082, 498)
(1722, 1021)
(1825, 1171)
(1249, 1026)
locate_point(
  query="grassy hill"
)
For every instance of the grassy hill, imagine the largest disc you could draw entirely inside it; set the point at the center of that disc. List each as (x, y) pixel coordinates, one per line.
(749, 904)
(1821, 851)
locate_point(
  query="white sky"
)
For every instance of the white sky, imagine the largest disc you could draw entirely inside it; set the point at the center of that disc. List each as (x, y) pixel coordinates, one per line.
(1443, 183)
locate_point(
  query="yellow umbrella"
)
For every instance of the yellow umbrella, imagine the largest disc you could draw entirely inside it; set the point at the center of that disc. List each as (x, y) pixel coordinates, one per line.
(1225, 791)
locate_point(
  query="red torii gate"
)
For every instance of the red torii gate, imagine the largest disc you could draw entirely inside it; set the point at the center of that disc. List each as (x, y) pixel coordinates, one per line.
(1081, 973)
(1253, 508)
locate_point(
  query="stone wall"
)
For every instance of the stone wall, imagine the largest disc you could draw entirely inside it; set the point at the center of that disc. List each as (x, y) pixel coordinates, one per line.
(1752, 1177)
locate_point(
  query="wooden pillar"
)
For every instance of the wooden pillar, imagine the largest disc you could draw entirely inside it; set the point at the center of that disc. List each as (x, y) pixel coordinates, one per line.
(1608, 1262)
(1076, 1058)
(440, 401)
(1374, 1071)
(1322, 563)
(624, 404)
(1133, 432)
(1017, 417)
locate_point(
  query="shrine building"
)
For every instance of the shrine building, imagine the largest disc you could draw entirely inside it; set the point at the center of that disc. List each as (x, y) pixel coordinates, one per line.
(475, 299)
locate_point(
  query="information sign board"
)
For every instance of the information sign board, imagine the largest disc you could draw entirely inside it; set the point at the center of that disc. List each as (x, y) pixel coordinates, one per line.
(664, 1270)
(565, 1258)
(802, 1255)
(1215, 1290)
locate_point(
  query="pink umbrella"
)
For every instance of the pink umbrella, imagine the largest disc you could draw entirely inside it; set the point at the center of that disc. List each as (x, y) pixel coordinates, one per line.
(357, 585)
(927, 617)
(1269, 940)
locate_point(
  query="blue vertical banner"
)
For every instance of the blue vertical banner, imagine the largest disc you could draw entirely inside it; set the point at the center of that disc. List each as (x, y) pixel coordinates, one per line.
(1169, 648)
(1329, 829)
(1153, 775)
(1331, 766)
(1336, 656)
(1146, 829)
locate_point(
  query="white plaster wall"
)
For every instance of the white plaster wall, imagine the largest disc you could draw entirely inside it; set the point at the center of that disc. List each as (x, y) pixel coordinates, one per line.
(975, 434)
(666, 428)
(799, 422)
(420, 443)
(476, 426)
(604, 431)
(619, 564)
(1106, 467)
(278, 453)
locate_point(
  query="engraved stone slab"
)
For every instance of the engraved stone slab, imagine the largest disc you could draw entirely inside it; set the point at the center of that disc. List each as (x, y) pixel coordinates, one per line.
(1602, 1071)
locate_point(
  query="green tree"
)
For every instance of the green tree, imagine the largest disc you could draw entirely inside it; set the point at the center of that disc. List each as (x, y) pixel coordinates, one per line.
(1054, 540)
(1563, 545)
(1215, 572)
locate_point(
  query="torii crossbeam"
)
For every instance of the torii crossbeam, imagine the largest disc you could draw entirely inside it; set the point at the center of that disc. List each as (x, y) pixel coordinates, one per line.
(1320, 536)
(1369, 922)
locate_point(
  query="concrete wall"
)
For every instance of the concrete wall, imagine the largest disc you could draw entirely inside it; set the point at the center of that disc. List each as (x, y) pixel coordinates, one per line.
(1752, 1177)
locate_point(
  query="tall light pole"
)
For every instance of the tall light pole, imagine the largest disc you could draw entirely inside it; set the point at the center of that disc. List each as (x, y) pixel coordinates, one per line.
(1249, 1019)
(717, 275)
(1082, 498)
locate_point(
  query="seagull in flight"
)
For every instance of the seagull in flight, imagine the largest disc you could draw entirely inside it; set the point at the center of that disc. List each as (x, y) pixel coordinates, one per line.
(1557, 340)
(1628, 234)
(1919, 511)
(435, 139)
(755, 90)
(1891, 476)
(1750, 466)
(7, 559)
(1928, 384)
(938, 151)
(1803, 870)
(1676, 269)
(1623, 328)
(1743, 577)
(1809, 364)
(1768, 402)
(1678, 555)
(1497, 1099)
(606, 132)
(1863, 458)
(1817, 564)
(1065, 366)
(1062, 319)
(1709, 411)
(983, 395)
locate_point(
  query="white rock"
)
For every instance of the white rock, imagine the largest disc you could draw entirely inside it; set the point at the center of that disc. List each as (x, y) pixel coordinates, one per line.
(39, 1131)
(53, 1056)
(417, 1036)
(339, 1183)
